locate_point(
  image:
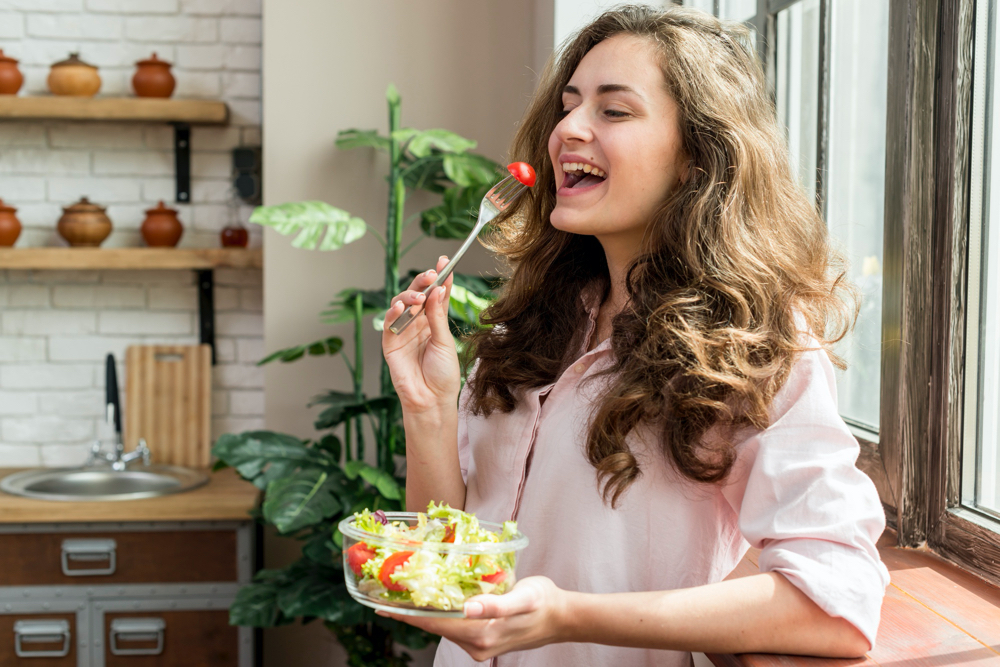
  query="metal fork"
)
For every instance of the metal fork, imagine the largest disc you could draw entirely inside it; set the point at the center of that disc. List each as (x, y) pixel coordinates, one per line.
(496, 201)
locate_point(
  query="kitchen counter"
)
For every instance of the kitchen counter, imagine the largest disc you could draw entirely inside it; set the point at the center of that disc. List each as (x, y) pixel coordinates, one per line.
(226, 497)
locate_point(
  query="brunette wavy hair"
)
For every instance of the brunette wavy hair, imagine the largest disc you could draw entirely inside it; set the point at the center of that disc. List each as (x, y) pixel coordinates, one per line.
(736, 265)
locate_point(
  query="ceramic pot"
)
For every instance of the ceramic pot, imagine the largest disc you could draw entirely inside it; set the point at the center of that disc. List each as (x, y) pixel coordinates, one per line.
(161, 228)
(84, 224)
(74, 77)
(10, 76)
(153, 78)
(10, 226)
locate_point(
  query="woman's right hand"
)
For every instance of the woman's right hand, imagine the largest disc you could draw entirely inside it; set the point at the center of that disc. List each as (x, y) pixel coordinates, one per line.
(422, 358)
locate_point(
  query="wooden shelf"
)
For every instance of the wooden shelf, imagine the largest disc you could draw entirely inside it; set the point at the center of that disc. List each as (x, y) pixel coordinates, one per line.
(130, 258)
(150, 110)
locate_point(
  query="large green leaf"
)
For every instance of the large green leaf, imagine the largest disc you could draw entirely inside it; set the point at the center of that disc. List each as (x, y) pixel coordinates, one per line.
(344, 406)
(342, 307)
(331, 345)
(380, 479)
(456, 216)
(470, 170)
(318, 225)
(300, 499)
(426, 173)
(320, 549)
(261, 456)
(256, 606)
(348, 139)
(420, 143)
(314, 595)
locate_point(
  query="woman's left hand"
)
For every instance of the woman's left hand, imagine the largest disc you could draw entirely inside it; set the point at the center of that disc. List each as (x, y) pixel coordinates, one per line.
(529, 616)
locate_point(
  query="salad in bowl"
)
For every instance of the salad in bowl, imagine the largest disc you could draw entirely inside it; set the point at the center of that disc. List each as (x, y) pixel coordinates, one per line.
(429, 563)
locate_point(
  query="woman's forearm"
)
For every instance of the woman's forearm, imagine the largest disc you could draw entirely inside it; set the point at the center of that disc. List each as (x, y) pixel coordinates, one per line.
(432, 468)
(764, 613)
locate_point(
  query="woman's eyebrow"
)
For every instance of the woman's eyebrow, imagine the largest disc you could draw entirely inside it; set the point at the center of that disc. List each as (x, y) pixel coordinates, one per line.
(605, 88)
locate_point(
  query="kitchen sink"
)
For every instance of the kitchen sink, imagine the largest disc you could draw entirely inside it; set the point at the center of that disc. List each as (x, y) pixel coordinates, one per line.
(91, 483)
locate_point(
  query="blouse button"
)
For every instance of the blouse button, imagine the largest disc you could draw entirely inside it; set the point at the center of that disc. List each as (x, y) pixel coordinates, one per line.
(580, 368)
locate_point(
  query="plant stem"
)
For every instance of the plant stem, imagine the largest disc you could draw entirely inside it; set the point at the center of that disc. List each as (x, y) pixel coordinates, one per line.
(394, 228)
(359, 375)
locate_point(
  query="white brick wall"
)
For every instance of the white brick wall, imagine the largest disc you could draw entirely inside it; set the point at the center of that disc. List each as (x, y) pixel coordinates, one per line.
(57, 327)
(215, 48)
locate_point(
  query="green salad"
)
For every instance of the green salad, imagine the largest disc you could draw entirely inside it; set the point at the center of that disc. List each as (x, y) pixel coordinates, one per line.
(400, 569)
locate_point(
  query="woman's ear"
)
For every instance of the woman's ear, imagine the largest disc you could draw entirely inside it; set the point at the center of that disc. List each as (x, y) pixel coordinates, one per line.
(687, 166)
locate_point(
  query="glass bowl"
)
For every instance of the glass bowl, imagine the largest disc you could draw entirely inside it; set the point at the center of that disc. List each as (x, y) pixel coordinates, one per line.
(432, 592)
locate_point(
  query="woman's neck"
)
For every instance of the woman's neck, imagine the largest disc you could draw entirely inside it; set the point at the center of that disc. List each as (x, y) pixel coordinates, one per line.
(615, 301)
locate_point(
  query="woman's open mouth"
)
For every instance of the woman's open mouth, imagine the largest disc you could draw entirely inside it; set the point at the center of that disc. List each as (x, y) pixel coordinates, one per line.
(579, 177)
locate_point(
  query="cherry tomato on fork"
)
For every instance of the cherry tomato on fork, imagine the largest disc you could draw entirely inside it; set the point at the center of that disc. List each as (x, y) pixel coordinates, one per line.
(389, 566)
(523, 172)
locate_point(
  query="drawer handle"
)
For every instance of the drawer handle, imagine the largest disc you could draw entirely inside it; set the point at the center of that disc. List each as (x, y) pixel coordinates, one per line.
(137, 630)
(41, 632)
(88, 551)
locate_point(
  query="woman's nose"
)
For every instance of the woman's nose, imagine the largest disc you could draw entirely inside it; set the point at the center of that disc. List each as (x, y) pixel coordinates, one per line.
(574, 126)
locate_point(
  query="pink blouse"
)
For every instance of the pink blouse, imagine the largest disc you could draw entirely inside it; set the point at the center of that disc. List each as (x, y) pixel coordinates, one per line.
(794, 492)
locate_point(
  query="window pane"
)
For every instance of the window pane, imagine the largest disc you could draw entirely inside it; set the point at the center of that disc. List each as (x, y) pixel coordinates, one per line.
(797, 84)
(856, 187)
(980, 447)
(737, 10)
(703, 5)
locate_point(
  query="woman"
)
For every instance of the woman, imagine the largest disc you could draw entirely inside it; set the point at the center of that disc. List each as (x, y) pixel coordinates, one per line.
(656, 390)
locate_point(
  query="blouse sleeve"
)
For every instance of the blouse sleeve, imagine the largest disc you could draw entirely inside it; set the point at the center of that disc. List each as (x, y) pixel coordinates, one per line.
(802, 501)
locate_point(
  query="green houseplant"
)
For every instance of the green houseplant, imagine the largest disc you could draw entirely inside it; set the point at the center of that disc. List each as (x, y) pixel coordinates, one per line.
(309, 485)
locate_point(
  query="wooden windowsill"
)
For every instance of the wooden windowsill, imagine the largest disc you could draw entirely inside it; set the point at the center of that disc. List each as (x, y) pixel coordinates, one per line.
(934, 613)
(130, 258)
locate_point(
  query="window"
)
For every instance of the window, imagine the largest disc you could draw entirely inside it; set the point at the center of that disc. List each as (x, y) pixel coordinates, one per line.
(855, 197)
(981, 441)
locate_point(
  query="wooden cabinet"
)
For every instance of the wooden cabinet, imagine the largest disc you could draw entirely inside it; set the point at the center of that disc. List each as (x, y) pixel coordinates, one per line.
(114, 595)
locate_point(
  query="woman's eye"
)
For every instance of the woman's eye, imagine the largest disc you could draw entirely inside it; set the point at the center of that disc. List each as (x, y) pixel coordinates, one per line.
(615, 113)
(563, 113)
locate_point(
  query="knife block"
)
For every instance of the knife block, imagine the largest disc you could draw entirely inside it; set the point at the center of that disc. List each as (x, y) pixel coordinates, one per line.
(168, 402)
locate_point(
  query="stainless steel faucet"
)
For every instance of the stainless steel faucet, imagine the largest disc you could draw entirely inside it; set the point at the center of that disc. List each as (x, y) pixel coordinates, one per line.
(118, 459)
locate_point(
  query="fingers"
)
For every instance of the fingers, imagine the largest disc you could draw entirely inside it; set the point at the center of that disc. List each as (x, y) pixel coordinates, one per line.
(518, 601)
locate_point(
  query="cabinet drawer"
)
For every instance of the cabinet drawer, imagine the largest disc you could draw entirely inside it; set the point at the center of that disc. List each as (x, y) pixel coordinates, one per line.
(38, 559)
(38, 645)
(199, 638)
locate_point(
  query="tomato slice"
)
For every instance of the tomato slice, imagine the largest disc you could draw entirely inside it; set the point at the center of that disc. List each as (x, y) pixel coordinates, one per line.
(523, 172)
(494, 578)
(389, 565)
(449, 534)
(359, 554)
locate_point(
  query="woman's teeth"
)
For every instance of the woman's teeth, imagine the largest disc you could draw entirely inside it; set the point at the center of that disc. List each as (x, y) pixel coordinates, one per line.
(570, 167)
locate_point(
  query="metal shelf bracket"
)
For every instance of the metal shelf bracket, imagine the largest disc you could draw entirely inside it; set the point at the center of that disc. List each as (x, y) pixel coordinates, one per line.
(182, 161)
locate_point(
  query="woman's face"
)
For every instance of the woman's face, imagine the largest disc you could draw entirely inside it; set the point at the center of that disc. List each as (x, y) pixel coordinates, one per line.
(619, 125)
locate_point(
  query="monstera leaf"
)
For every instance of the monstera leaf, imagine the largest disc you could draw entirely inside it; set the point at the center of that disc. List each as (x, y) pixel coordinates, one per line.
(316, 224)
(301, 499)
(420, 143)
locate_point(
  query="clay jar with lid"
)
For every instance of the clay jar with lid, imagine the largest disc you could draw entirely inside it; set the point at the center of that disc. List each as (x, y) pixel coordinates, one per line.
(161, 228)
(84, 224)
(153, 78)
(10, 226)
(10, 76)
(74, 77)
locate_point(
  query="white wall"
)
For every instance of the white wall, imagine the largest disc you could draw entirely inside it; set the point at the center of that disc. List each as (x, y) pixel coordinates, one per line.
(464, 66)
(56, 326)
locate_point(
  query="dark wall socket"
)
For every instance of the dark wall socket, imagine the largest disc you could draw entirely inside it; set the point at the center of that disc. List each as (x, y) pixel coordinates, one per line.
(247, 174)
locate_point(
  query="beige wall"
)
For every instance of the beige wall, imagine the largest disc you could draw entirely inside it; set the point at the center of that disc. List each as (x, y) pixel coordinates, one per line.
(460, 65)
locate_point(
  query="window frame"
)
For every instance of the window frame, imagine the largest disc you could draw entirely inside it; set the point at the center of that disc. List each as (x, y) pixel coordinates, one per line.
(915, 458)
